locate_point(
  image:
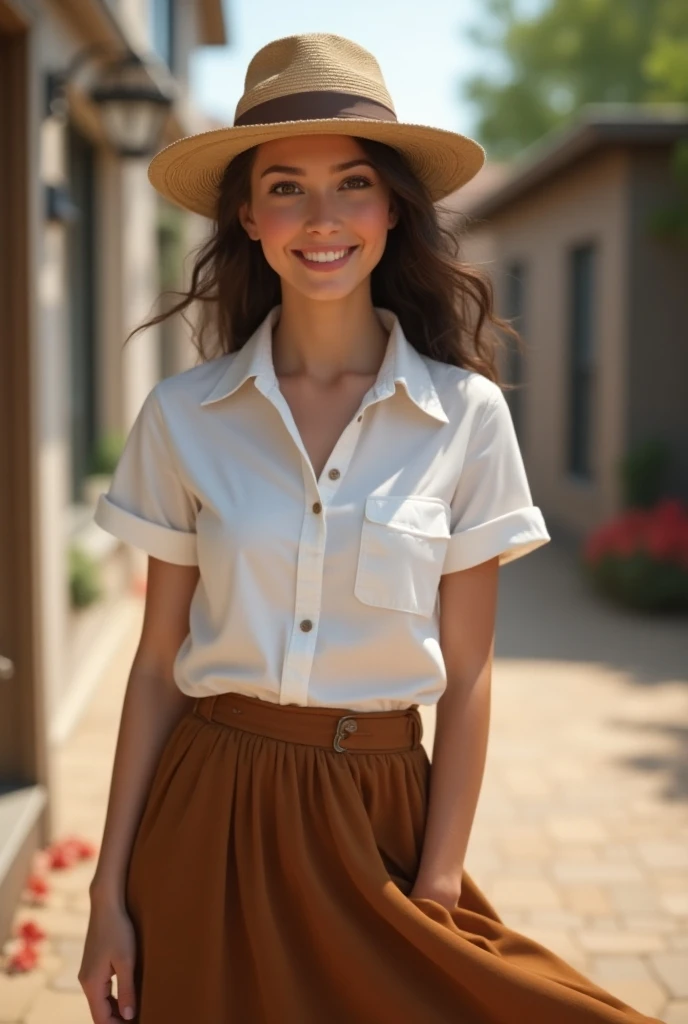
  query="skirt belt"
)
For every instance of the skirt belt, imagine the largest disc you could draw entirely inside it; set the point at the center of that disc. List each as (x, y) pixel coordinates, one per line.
(340, 729)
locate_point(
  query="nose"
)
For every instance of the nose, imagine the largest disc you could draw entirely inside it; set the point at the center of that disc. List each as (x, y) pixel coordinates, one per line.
(322, 216)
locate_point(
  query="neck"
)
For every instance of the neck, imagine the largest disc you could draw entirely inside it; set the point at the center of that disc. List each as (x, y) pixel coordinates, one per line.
(327, 339)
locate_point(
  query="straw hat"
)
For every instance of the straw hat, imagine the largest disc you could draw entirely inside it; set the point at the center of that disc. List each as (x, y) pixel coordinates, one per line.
(313, 84)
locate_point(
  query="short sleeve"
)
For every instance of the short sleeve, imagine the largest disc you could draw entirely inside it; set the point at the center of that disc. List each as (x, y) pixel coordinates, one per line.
(492, 511)
(147, 504)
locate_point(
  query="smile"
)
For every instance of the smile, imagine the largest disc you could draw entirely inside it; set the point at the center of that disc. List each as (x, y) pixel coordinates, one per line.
(325, 259)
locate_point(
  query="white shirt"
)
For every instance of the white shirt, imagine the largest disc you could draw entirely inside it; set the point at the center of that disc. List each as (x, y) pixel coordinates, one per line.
(321, 592)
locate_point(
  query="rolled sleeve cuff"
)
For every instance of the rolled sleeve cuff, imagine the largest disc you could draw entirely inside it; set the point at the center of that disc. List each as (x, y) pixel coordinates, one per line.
(162, 542)
(510, 536)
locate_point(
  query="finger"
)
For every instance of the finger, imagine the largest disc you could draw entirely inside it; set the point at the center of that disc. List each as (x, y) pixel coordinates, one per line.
(99, 1002)
(126, 995)
(114, 1011)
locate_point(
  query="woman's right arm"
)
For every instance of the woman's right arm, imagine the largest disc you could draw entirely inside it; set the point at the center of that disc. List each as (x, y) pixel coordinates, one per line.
(153, 704)
(152, 707)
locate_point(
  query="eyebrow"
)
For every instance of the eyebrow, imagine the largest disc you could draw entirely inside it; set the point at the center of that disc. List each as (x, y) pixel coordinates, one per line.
(283, 169)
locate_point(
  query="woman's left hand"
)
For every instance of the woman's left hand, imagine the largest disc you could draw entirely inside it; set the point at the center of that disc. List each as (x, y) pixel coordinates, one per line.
(446, 892)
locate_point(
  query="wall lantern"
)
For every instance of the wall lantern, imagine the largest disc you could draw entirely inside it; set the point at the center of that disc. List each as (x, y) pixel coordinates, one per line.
(132, 94)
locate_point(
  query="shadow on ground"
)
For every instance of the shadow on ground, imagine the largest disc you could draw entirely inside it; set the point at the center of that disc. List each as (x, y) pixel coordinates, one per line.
(548, 612)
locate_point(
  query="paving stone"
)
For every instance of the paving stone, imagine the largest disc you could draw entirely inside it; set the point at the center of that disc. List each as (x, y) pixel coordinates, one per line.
(676, 1012)
(522, 867)
(559, 941)
(70, 880)
(71, 954)
(604, 922)
(56, 923)
(672, 970)
(59, 1008)
(649, 922)
(619, 853)
(555, 918)
(49, 961)
(675, 903)
(524, 893)
(628, 978)
(529, 843)
(80, 903)
(585, 898)
(619, 941)
(576, 829)
(671, 881)
(527, 782)
(663, 853)
(633, 897)
(597, 871)
(18, 992)
(578, 852)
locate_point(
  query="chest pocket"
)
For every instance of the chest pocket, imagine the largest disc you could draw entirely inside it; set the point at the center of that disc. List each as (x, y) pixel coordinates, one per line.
(403, 544)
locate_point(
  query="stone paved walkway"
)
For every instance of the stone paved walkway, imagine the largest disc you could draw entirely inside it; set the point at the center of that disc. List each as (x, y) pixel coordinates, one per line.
(581, 834)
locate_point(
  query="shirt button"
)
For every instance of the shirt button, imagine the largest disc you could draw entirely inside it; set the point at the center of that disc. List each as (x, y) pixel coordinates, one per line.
(317, 507)
(306, 625)
(359, 419)
(334, 474)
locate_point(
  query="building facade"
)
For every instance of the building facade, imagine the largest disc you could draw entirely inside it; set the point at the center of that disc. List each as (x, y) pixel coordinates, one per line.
(84, 245)
(578, 241)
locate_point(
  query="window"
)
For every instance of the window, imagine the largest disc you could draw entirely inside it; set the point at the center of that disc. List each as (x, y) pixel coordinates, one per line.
(515, 307)
(161, 20)
(81, 253)
(581, 359)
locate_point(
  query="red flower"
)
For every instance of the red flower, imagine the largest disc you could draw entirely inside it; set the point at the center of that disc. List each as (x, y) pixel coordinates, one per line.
(660, 532)
(24, 959)
(30, 932)
(37, 886)
(65, 853)
(60, 857)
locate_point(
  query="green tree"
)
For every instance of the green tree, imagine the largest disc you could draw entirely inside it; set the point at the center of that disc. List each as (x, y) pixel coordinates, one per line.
(570, 53)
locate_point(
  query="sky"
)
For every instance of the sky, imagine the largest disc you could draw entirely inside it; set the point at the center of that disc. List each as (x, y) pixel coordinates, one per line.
(420, 45)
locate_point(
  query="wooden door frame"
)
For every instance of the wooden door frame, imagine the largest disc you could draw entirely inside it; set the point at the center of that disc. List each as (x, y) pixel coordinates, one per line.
(24, 806)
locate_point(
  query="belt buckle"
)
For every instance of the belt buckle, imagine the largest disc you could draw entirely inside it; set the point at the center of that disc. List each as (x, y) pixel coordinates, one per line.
(347, 724)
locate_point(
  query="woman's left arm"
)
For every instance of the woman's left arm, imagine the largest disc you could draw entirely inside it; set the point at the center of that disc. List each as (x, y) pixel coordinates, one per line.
(468, 604)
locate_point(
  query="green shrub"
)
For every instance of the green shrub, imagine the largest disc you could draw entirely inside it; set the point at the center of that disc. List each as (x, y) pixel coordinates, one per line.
(643, 473)
(84, 578)
(640, 558)
(106, 453)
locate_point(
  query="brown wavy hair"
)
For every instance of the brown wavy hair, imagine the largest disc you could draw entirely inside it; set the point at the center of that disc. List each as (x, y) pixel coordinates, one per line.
(445, 306)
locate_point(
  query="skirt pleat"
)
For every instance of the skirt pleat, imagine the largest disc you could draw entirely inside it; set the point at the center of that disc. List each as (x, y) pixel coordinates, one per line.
(269, 884)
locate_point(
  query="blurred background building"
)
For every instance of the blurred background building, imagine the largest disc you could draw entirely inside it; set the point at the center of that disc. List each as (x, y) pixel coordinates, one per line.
(85, 245)
(574, 234)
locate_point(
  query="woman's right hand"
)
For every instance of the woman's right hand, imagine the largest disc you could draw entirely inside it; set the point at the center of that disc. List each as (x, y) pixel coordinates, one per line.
(110, 948)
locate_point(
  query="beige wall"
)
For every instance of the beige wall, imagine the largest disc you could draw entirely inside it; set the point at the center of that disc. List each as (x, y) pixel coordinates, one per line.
(657, 369)
(588, 203)
(128, 287)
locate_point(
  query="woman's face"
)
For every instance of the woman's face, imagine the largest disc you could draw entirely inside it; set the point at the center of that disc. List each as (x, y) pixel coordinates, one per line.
(320, 211)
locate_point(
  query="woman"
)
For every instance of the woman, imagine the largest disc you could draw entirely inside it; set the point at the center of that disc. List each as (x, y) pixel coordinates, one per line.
(325, 507)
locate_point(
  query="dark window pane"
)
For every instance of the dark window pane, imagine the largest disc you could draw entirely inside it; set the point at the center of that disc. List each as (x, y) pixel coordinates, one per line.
(82, 252)
(581, 359)
(515, 311)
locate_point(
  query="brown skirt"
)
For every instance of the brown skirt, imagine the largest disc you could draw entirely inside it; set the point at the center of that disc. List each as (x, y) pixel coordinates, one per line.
(269, 884)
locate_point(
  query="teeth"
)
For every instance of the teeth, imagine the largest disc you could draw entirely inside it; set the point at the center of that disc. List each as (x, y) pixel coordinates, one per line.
(325, 257)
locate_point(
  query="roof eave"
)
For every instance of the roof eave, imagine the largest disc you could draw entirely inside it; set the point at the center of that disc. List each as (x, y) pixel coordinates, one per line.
(546, 157)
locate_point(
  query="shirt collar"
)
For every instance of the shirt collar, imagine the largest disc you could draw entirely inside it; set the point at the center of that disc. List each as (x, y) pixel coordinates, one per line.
(402, 363)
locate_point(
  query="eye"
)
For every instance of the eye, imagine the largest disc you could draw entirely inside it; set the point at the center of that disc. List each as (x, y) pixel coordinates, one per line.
(358, 181)
(283, 185)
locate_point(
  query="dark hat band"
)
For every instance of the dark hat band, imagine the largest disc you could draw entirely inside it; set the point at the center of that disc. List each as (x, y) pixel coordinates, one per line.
(317, 105)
